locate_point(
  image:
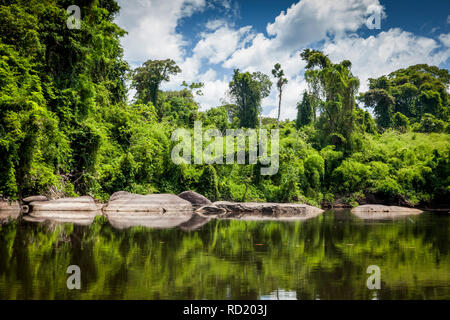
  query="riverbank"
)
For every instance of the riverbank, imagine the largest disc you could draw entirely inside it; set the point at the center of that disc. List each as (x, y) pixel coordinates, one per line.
(189, 210)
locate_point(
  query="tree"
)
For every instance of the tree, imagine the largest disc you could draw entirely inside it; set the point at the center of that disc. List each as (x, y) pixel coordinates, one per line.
(148, 78)
(382, 103)
(247, 90)
(413, 91)
(400, 122)
(304, 111)
(333, 88)
(278, 73)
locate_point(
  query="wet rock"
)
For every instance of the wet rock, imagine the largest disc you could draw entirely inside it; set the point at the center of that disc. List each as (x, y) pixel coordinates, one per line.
(126, 209)
(211, 210)
(197, 200)
(80, 210)
(84, 203)
(151, 204)
(376, 211)
(34, 198)
(268, 211)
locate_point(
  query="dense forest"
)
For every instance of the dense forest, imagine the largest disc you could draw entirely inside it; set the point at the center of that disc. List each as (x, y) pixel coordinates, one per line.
(67, 127)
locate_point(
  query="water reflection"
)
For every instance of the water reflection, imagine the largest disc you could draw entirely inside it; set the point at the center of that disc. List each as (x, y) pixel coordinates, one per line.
(325, 257)
(280, 294)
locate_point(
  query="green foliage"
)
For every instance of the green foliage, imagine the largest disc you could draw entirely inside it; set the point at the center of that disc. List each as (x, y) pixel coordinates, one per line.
(413, 92)
(247, 90)
(66, 127)
(305, 111)
(400, 122)
(333, 88)
(429, 123)
(207, 183)
(148, 78)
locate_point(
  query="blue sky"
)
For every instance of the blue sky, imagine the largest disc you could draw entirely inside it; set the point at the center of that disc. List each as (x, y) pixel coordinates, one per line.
(209, 38)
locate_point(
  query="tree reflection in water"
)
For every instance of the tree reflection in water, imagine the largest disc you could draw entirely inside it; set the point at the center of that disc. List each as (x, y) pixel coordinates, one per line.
(325, 257)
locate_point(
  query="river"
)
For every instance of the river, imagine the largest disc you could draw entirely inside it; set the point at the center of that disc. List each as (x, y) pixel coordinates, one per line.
(322, 258)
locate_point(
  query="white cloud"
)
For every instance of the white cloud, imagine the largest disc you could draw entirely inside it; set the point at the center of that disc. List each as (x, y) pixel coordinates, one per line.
(388, 51)
(151, 27)
(445, 39)
(213, 92)
(309, 21)
(218, 45)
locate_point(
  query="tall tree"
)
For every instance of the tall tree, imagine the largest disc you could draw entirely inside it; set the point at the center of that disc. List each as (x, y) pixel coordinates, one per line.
(278, 73)
(334, 87)
(304, 111)
(148, 78)
(247, 90)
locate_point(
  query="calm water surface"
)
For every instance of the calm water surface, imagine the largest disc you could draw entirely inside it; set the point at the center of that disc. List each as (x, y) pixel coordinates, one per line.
(322, 258)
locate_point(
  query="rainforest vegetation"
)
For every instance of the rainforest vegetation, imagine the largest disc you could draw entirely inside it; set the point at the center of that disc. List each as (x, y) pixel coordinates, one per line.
(68, 128)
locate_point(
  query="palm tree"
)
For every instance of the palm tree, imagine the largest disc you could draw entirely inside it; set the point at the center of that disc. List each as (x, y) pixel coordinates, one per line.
(279, 73)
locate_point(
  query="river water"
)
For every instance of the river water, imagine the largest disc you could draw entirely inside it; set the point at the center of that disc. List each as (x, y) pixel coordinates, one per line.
(322, 258)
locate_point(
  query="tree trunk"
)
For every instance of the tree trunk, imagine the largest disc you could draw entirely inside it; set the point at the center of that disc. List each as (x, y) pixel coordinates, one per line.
(279, 108)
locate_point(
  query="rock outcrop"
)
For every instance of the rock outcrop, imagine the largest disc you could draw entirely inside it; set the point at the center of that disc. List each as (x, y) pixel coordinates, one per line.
(126, 209)
(267, 211)
(211, 210)
(376, 211)
(84, 203)
(196, 199)
(80, 210)
(34, 198)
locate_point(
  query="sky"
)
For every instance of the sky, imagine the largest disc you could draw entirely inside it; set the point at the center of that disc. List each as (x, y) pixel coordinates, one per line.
(208, 39)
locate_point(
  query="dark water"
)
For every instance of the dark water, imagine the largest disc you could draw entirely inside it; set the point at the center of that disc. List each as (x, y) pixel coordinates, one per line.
(322, 258)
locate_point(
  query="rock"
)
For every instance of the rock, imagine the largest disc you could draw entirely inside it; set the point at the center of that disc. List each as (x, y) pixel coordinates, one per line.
(6, 205)
(34, 198)
(126, 209)
(148, 204)
(80, 210)
(84, 203)
(268, 211)
(376, 211)
(9, 210)
(211, 210)
(196, 199)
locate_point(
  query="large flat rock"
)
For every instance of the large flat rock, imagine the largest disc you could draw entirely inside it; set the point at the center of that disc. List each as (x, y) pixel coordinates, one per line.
(126, 209)
(376, 211)
(80, 210)
(267, 210)
(161, 204)
(84, 203)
